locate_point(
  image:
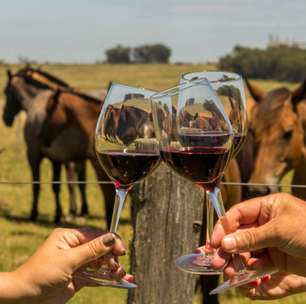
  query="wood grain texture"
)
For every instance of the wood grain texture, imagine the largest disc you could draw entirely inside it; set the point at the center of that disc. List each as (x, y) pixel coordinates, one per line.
(167, 217)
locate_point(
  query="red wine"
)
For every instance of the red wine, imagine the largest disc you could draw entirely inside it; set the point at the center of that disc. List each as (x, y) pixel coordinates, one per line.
(212, 139)
(127, 168)
(238, 141)
(202, 165)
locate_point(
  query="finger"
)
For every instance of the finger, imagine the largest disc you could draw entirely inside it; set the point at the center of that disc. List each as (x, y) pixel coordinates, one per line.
(251, 239)
(83, 235)
(229, 271)
(119, 273)
(217, 235)
(245, 213)
(232, 268)
(92, 250)
(118, 248)
(220, 259)
(109, 261)
(129, 278)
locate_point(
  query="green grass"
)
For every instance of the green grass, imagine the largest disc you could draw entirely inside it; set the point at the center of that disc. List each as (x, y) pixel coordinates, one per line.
(19, 238)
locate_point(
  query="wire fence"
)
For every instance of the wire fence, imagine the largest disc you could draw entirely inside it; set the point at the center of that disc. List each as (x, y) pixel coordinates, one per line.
(109, 182)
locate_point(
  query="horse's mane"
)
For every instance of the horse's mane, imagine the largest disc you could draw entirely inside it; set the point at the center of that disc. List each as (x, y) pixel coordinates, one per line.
(73, 92)
(271, 107)
(84, 96)
(27, 71)
(31, 81)
(27, 74)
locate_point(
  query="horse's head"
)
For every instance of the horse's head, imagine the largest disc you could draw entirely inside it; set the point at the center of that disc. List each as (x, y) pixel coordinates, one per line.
(127, 123)
(278, 135)
(13, 99)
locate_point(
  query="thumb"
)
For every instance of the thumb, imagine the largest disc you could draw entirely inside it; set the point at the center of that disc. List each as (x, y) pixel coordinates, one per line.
(92, 250)
(250, 239)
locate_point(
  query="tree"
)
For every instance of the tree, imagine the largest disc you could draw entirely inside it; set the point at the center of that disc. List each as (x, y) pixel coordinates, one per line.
(151, 53)
(118, 54)
(282, 62)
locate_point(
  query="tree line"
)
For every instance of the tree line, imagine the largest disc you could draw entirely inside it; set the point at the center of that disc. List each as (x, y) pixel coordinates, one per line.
(283, 62)
(148, 53)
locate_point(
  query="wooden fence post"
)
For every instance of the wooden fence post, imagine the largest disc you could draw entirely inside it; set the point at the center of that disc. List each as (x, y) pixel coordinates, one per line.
(167, 216)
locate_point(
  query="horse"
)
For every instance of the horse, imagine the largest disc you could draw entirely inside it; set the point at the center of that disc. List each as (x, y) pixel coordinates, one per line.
(278, 135)
(27, 90)
(67, 133)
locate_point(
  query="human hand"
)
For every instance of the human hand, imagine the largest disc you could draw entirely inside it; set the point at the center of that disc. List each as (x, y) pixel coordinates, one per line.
(276, 286)
(275, 223)
(49, 275)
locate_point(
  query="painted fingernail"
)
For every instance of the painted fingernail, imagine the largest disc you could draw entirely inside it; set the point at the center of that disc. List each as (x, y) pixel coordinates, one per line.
(265, 279)
(229, 243)
(108, 240)
(129, 278)
(255, 283)
(117, 235)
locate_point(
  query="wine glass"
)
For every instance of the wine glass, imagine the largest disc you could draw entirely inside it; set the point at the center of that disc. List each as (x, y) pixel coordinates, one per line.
(126, 148)
(230, 90)
(195, 137)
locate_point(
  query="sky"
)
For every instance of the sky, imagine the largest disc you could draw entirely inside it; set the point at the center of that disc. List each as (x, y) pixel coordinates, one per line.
(195, 30)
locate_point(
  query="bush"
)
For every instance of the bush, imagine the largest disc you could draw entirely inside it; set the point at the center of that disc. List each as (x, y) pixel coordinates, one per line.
(283, 63)
(151, 53)
(118, 54)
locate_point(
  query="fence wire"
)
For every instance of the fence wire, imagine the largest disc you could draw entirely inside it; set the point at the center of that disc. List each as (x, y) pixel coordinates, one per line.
(109, 182)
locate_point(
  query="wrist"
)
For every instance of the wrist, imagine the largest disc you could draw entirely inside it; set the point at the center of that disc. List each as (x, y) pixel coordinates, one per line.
(15, 288)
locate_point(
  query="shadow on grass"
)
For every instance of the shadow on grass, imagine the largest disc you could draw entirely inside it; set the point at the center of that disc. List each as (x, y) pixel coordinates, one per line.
(41, 221)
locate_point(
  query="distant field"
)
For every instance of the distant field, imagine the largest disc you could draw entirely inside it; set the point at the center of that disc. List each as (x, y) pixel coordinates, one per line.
(18, 236)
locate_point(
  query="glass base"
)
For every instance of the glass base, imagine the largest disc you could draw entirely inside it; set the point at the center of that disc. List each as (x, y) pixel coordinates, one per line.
(242, 278)
(102, 278)
(197, 263)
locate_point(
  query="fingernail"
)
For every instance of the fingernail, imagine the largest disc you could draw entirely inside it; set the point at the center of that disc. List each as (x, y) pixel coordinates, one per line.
(265, 279)
(229, 243)
(108, 240)
(129, 278)
(117, 235)
(255, 283)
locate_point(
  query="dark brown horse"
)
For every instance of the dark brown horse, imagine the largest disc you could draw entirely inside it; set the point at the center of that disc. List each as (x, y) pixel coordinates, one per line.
(67, 132)
(278, 135)
(27, 90)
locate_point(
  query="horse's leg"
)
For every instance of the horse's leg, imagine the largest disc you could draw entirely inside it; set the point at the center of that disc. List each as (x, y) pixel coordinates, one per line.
(56, 189)
(34, 162)
(81, 170)
(70, 171)
(107, 189)
(208, 284)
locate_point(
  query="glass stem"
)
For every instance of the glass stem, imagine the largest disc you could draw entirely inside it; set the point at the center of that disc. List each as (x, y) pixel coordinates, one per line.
(119, 203)
(209, 221)
(216, 199)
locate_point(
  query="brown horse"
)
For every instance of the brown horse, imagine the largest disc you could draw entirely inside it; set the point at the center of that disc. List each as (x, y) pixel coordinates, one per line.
(67, 132)
(278, 135)
(27, 90)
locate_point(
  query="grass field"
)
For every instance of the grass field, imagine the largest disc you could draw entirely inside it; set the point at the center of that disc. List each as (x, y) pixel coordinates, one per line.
(19, 237)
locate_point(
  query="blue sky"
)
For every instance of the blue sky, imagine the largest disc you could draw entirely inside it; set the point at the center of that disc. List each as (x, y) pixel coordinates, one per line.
(80, 30)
